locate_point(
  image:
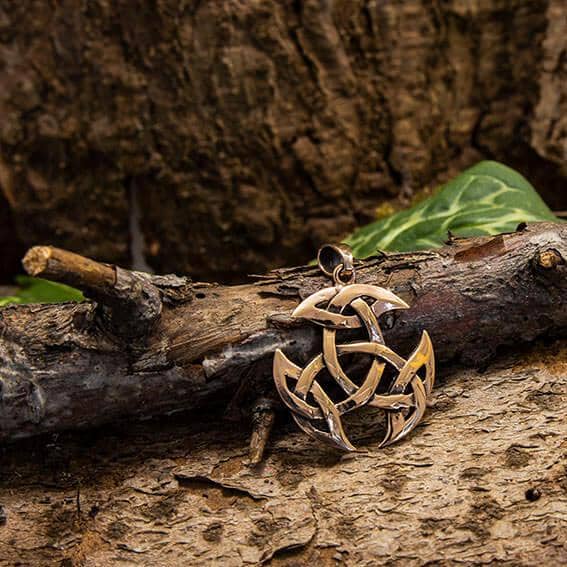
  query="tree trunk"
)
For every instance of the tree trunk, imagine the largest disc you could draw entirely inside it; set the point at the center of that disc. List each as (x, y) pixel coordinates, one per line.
(158, 344)
(246, 133)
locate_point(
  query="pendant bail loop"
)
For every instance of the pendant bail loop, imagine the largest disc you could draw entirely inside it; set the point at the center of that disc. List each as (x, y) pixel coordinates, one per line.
(336, 261)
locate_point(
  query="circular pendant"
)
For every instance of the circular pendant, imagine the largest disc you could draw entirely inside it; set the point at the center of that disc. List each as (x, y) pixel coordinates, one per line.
(354, 306)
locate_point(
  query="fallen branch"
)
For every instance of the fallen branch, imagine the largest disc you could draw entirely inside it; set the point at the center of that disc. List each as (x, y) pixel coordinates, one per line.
(151, 345)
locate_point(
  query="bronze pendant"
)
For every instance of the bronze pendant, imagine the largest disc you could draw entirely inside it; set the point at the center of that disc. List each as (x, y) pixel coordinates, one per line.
(348, 305)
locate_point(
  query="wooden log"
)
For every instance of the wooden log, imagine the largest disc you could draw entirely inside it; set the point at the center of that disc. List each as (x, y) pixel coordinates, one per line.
(67, 366)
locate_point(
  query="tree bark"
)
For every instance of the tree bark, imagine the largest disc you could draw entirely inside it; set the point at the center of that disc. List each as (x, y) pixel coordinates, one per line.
(232, 126)
(157, 344)
(482, 481)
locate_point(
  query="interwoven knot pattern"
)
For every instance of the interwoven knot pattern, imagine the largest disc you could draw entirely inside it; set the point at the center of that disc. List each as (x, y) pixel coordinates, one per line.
(352, 307)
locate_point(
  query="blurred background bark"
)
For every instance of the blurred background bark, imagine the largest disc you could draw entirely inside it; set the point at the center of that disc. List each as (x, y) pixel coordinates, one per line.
(221, 138)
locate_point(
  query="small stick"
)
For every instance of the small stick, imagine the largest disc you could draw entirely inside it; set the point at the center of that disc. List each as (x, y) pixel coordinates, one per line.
(263, 417)
(131, 303)
(69, 268)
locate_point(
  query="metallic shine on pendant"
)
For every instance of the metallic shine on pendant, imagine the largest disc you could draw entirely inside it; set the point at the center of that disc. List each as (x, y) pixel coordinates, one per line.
(348, 305)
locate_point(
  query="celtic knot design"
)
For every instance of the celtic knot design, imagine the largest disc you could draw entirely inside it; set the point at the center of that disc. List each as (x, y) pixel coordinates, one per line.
(352, 307)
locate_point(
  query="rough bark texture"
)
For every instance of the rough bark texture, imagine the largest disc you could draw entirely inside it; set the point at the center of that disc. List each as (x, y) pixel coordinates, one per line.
(248, 132)
(481, 481)
(73, 365)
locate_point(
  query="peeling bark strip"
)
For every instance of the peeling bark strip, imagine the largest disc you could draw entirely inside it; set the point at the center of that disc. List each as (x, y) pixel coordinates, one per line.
(71, 365)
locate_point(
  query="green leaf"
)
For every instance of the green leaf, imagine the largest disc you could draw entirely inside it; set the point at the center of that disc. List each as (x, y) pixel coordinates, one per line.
(38, 290)
(8, 299)
(489, 198)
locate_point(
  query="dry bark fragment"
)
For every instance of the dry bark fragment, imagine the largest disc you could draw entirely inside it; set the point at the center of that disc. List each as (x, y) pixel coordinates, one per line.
(180, 491)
